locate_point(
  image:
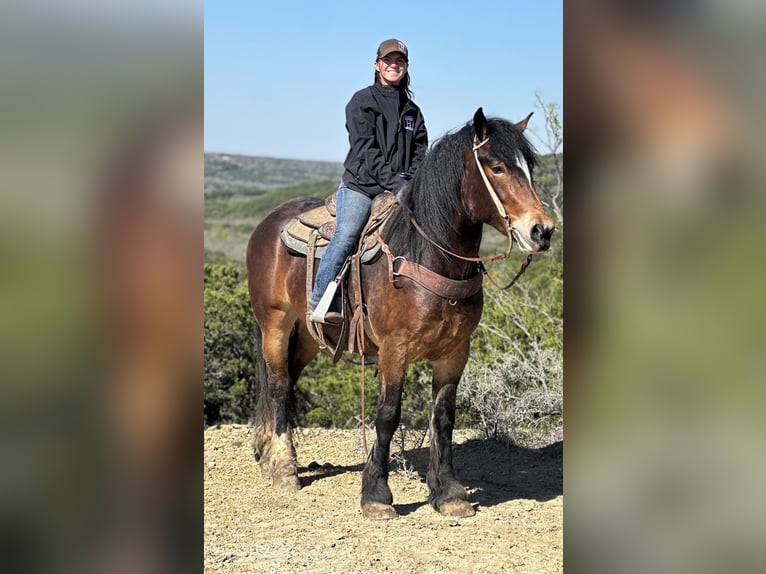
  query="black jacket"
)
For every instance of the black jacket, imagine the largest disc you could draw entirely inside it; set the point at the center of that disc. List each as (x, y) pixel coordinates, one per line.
(387, 137)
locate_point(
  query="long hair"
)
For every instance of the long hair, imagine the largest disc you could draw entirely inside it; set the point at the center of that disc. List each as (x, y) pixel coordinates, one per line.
(404, 84)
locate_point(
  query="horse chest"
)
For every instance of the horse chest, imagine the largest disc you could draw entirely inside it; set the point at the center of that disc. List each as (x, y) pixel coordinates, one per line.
(445, 326)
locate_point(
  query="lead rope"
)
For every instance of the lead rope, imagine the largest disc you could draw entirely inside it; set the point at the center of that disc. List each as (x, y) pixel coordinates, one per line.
(519, 273)
(360, 347)
(464, 258)
(356, 333)
(364, 415)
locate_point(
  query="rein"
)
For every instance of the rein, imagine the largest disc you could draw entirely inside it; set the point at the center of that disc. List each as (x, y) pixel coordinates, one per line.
(452, 289)
(508, 229)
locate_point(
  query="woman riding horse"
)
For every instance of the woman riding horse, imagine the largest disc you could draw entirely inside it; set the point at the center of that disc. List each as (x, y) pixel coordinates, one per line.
(481, 174)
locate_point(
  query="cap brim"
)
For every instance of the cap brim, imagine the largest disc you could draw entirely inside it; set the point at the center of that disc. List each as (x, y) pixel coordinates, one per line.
(384, 54)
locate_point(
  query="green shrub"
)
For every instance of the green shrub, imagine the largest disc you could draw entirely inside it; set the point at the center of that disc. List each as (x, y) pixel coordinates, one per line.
(229, 330)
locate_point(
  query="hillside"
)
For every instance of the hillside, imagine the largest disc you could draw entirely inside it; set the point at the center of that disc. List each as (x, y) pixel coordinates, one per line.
(228, 175)
(240, 190)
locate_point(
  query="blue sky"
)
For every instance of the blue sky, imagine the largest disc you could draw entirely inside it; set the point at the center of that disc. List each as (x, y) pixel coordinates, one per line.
(278, 74)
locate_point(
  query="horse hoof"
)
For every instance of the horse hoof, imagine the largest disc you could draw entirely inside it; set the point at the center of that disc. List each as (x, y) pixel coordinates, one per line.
(378, 511)
(289, 482)
(457, 509)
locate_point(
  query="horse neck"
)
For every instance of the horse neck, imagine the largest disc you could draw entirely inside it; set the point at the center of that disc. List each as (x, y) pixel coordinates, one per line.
(464, 240)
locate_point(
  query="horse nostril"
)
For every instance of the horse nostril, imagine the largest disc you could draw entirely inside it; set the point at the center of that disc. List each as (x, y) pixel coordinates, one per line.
(541, 234)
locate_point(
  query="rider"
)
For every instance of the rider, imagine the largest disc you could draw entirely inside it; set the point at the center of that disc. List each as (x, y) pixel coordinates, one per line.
(388, 140)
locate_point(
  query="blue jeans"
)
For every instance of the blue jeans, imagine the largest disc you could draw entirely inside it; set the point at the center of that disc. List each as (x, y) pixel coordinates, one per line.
(352, 209)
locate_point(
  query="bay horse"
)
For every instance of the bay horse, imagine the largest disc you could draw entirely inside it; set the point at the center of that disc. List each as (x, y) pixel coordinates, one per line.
(478, 174)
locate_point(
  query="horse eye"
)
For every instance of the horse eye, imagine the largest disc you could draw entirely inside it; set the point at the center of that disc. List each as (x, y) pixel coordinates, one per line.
(498, 169)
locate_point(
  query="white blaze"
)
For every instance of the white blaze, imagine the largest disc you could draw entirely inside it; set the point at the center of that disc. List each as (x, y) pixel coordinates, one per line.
(521, 162)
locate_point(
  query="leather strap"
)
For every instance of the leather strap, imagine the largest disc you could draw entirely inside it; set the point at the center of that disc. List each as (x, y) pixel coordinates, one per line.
(490, 189)
(356, 330)
(444, 287)
(316, 333)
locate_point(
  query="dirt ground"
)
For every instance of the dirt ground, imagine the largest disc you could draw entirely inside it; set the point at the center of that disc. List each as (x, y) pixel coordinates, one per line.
(249, 527)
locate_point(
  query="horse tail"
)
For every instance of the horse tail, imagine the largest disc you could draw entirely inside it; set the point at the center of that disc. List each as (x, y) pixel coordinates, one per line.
(262, 410)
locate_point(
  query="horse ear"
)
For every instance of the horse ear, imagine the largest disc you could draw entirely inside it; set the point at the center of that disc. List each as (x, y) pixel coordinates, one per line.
(480, 125)
(522, 125)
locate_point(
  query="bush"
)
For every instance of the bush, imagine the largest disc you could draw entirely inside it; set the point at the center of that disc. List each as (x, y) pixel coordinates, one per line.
(229, 331)
(513, 385)
(516, 399)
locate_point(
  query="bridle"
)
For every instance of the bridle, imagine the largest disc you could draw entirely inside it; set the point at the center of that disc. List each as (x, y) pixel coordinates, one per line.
(492, 193)
(503, 214)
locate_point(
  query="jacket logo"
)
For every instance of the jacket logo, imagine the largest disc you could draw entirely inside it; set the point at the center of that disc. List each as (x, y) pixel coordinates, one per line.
(409, 123)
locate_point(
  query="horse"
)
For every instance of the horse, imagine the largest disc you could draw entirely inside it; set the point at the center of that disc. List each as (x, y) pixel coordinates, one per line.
(479, 174)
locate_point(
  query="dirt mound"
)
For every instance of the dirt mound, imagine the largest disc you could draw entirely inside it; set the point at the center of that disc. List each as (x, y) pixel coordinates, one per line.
(249, 527)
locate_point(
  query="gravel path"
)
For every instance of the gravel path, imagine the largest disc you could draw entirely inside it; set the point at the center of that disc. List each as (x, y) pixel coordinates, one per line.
(249, 527)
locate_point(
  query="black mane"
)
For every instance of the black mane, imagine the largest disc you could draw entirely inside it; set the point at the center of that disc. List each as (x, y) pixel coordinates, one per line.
(433, 199)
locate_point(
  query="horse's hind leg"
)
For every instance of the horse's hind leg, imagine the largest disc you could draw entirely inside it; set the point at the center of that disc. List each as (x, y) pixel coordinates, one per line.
(445, 493)
(273, 444)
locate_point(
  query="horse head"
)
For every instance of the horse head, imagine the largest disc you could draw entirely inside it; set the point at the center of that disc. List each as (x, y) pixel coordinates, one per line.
(498, 186)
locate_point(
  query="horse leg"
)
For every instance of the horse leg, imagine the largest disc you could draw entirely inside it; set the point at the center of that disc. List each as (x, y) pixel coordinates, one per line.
(376, 498)
(273, 444)
(303, 349)
(445, 493)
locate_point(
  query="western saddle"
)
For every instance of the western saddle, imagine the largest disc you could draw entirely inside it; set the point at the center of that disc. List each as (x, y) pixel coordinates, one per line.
(309, 234)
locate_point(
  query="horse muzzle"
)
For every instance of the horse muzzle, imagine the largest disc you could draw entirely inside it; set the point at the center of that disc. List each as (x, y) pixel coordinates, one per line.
(534, 237)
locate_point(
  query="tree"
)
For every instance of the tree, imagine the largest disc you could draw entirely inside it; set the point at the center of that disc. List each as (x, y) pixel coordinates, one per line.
(551, 188)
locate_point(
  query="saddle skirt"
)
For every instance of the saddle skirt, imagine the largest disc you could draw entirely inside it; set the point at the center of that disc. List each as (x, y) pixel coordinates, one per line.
(296, 233)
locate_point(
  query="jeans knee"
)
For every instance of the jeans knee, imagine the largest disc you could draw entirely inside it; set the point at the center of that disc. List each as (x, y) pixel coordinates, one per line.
(344, 240)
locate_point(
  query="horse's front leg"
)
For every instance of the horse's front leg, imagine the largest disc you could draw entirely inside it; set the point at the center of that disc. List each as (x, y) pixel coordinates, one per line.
(377, 499)
(445, 493)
